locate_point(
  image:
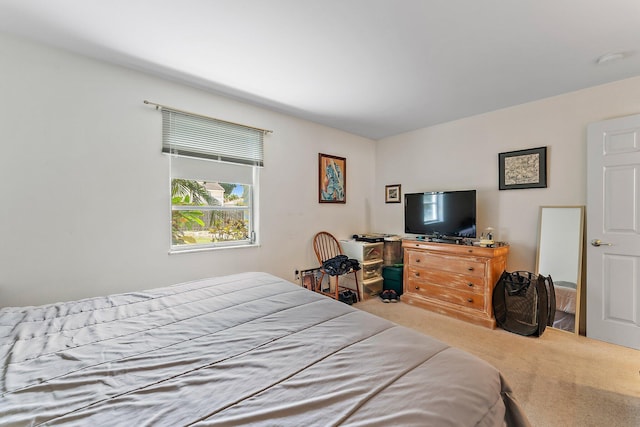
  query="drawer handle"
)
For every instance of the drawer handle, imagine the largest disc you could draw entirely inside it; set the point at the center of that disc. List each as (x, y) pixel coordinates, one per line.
(470, 268)
(469, 299)
(470, 285)
(417, 274)
(418, 260)
(470, 251)
(417, 288)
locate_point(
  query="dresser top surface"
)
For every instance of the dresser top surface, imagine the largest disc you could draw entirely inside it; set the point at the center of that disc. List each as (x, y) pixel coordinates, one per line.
(459, 249)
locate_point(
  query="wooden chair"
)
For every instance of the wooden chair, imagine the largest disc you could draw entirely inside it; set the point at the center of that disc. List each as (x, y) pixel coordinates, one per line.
(326, 246)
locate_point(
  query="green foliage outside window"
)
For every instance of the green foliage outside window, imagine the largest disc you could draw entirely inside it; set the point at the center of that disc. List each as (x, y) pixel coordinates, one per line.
(184, 220)
(226, 228)
(221, 225)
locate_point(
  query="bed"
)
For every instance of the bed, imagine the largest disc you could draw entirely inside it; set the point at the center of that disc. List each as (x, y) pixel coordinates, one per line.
(244, 349)
(565, 317)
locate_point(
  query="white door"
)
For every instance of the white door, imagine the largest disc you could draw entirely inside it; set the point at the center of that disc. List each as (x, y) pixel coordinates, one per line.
(613, 231)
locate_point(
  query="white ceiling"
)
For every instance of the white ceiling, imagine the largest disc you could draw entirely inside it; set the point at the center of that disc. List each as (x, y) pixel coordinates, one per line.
(371, 67)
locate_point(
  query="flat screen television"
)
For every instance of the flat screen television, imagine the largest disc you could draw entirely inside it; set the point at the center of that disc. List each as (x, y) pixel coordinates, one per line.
(447, 215)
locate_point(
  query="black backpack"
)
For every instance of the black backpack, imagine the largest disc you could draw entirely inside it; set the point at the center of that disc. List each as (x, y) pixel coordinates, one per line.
(524, 303)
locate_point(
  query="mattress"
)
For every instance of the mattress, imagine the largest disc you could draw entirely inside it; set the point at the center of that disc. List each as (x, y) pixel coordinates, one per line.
(245, 349)
(565, 296)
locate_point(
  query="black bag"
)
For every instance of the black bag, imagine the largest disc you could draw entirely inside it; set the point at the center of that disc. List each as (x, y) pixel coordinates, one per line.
(340, 264)
(524, 303)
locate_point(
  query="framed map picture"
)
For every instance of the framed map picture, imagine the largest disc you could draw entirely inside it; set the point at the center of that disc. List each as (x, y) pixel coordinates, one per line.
(392, 193)
(523, 169)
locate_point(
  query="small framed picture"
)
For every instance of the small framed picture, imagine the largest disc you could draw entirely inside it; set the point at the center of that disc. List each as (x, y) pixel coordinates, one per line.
(523, 169)
(332, 181)
(392, 193)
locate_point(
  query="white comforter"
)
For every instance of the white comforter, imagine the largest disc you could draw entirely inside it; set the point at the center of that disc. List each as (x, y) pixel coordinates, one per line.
(242, 349)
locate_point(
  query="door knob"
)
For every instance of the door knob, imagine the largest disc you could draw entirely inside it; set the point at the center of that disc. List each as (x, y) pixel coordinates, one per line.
(597, 242)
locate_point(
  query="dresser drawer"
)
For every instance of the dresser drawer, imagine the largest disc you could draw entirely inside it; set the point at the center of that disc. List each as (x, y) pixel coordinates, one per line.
(372, 287)
(371, 269)
(372, 251)
(442, 293)
(462, 265)
(461, 282)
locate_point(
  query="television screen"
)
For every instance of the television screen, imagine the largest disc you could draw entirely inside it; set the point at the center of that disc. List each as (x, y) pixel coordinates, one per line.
(441, 214)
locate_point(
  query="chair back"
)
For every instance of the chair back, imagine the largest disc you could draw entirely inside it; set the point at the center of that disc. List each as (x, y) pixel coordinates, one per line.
(326, 246)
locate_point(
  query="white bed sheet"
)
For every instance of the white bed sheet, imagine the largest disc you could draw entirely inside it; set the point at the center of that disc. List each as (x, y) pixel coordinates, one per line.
(245, 349)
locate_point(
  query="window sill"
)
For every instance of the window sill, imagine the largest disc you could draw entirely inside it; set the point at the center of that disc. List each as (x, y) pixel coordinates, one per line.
(212, 248)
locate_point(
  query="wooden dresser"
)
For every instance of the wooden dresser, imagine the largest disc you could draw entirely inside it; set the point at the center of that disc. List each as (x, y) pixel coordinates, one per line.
(456, 280)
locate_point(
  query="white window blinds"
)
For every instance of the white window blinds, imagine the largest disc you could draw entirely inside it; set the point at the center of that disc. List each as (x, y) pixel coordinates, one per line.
(191, 135)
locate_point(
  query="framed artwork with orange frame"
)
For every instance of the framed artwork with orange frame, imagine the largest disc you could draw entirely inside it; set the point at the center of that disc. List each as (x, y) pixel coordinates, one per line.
(332, 179)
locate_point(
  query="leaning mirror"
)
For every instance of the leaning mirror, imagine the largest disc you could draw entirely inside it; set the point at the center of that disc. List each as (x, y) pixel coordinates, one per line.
(560, 243)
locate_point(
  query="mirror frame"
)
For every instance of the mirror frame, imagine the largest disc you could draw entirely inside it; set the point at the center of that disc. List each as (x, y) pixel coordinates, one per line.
(579, 326)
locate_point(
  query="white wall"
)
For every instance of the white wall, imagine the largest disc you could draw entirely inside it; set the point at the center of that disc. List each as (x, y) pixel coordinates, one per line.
(464, 155)
(86, 190)
(85, 187)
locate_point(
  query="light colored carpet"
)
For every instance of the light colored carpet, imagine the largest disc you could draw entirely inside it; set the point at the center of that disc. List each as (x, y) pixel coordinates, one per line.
(559, 379)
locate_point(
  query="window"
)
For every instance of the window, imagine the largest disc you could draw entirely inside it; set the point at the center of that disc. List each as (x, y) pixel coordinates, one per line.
(214, 167)
(432, 208)
(209, 213)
